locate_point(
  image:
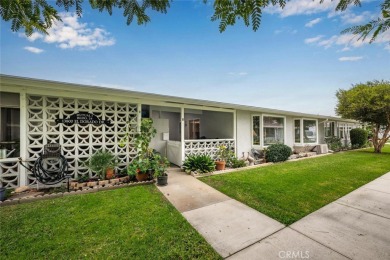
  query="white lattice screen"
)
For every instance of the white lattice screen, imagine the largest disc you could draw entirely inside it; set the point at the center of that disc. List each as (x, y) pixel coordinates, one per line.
(206, 146)
(79, 142)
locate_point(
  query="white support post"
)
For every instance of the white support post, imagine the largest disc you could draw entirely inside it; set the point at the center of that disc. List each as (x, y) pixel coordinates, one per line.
(23, 137)
(235, 131)
(182, 127)
(139, 121)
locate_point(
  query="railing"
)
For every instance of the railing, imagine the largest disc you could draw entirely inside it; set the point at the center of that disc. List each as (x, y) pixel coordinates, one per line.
(206, 146)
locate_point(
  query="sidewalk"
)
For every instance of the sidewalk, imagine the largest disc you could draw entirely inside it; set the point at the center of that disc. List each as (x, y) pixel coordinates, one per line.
(228, 225)
(356, 226)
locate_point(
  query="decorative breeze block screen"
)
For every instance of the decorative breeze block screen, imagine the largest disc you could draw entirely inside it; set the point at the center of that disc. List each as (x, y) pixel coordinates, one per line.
(206, 147)
(79, 142)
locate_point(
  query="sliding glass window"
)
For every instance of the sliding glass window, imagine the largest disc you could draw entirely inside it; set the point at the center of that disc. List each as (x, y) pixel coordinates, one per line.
(310, 131)
(273, 130)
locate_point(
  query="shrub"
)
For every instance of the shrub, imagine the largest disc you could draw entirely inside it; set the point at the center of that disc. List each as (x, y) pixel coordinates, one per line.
(199, 163)
(334, 143)
(278, 153)
(237, 163)
(359, 137)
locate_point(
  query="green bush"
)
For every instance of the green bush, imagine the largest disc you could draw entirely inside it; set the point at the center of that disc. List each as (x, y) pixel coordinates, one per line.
(334, 143)
(237, 163)
(359, 137)
(278, 153)
(199, 163)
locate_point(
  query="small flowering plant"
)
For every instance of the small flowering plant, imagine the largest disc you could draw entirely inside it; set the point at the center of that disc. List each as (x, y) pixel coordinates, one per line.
(223, 153)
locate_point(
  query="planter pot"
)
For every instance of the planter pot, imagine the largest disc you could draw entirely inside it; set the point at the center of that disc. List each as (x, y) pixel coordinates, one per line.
(220, 165)
(2, 194)
(162, 180)
(110, 173)
(142, 176)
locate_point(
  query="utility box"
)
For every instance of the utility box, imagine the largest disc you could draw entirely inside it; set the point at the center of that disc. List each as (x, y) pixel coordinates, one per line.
(322, 148)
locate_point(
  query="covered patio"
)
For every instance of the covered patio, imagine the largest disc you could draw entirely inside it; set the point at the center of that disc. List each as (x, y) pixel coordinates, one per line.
(183, 131)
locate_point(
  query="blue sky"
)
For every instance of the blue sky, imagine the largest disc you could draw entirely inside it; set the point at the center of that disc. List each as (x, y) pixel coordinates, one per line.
(296, 60)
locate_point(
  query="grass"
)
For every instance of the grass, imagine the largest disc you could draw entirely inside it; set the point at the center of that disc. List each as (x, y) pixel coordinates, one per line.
(136, 223)
(289, 191)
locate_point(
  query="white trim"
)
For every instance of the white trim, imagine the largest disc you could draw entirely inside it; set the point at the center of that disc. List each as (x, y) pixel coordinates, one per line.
(14, 82)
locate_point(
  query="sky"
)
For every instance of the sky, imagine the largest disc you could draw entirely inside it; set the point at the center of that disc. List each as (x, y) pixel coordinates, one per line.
(296, 61)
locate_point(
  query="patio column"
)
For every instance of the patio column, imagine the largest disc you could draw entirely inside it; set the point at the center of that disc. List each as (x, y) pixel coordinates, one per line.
(23, 137)
(182, 129)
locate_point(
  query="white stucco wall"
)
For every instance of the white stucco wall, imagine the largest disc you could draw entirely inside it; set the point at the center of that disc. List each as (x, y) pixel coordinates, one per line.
(244, 132)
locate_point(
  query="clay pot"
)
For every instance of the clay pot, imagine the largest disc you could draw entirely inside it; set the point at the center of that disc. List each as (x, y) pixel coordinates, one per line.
(110, 173)
(220, 165)
(142, 176)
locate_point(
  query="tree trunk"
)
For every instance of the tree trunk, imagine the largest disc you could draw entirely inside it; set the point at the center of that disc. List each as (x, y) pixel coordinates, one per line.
(380, 142)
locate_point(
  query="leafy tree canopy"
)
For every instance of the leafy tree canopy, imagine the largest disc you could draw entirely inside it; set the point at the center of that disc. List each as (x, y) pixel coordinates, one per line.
(39, 15)
(368, 103)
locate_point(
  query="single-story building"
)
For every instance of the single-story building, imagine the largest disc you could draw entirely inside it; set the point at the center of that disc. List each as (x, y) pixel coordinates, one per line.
(84, 119)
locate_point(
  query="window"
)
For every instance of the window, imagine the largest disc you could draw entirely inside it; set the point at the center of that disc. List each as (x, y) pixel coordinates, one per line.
(273, 130)
(305, 131)
(329, 129)
(9, 123)
(309, 131)
(194, 128)
(297, 131)
(255, 130)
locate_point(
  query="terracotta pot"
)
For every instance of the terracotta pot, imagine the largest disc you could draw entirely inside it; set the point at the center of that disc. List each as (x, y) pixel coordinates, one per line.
(110, 173)
(220, 165)
(142, 176)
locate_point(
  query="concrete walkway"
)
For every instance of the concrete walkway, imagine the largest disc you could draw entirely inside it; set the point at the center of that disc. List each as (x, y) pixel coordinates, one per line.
(357, 226)
(228, 225)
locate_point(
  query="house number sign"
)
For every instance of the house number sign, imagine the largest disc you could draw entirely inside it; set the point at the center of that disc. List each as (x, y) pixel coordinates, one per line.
(83, 119)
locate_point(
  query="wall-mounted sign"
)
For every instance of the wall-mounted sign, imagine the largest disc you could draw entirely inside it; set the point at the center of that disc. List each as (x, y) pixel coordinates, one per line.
(83, 119)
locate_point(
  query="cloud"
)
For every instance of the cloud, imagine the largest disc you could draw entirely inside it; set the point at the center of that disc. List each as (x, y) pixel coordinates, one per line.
(238, 74)
(351, 18)
(351, 58)
(33, 49)
(70, 33)
(297, 7)
(314, 39)
(352, 41)
(313, 22)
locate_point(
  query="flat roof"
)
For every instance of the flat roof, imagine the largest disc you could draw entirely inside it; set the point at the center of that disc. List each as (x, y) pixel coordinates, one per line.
(49, 84)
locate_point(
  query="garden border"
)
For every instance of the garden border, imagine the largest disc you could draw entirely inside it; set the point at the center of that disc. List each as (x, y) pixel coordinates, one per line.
(64, 194)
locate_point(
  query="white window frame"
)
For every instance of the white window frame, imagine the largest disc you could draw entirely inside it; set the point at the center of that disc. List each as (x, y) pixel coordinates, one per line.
(301, 131)
(262, 128)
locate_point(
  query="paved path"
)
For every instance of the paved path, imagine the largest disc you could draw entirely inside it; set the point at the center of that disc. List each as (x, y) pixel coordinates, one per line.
(357, 226)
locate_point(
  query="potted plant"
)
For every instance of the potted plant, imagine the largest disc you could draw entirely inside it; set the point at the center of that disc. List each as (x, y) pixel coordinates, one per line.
(139, 168)
(103, 163)
(160, 165)
(223, 155)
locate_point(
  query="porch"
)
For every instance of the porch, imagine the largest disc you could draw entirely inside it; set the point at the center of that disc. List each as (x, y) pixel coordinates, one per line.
(188, 131)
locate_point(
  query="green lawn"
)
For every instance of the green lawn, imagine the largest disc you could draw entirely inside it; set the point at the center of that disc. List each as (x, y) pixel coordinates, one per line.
(134, 222)
(291, 190)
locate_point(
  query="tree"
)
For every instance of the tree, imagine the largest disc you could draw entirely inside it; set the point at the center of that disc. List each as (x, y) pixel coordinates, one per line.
(39, 15)
(368, 103)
